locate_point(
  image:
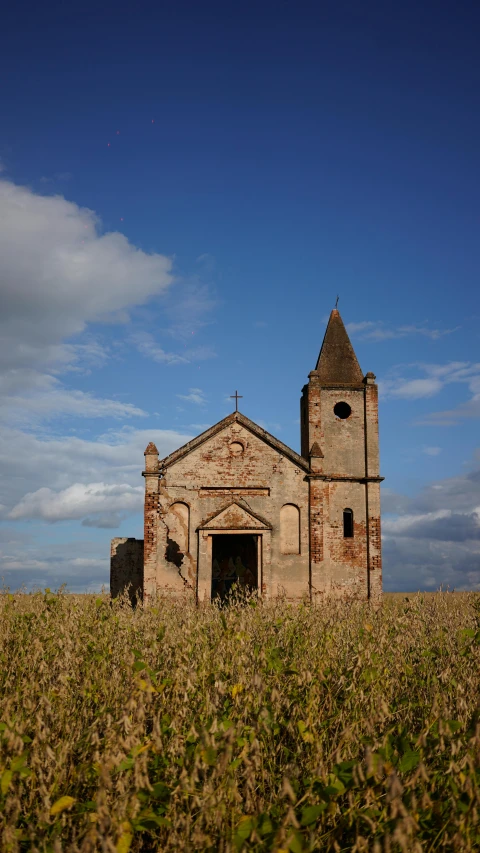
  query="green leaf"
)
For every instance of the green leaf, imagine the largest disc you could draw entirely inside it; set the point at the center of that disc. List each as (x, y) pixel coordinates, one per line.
(125, 840)
(409, 760)
(126, 764)
(266, 826)
(161, 791)
(18, 762)
(244, 829)
(295, 842)
(209, 756)
(336, 784)
(148, 819)
(311, 813)
(5, 781)
(344, 772)
(61, 804)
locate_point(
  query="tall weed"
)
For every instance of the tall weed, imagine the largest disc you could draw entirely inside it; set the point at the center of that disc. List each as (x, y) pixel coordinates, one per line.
(255, 727)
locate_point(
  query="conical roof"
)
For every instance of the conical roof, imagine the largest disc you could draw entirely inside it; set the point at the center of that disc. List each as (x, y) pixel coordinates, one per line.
(337, 363)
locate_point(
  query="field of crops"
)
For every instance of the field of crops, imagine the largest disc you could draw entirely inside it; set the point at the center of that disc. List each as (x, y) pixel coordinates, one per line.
(260, 727)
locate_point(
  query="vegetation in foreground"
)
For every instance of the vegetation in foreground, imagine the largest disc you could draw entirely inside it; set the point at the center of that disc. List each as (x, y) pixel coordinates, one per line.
(262, 727)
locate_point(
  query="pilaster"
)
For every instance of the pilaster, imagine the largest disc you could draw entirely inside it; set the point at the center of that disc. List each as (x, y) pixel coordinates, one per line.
(374, 541)
(151, 475)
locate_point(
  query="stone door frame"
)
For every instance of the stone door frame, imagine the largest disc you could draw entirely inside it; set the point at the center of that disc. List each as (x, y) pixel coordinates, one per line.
(204, 559)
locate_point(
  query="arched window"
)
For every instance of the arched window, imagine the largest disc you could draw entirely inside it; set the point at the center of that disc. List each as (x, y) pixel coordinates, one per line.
(290, 529)
(348, 523)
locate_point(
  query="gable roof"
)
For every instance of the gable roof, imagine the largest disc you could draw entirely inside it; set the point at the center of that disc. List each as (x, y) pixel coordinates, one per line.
(235, 417)
(236, 517)
(337, 363)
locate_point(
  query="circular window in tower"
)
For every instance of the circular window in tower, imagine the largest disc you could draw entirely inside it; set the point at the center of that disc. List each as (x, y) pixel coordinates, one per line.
(342, 411)
(236, 448)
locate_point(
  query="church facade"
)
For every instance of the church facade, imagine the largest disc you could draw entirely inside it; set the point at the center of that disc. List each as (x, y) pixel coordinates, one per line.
(236, 506)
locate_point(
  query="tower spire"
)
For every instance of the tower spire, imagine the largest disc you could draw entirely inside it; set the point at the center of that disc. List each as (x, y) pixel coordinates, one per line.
(337, 363)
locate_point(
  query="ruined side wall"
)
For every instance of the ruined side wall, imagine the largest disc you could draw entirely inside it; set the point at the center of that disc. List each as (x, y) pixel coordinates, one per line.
(126, 567)
(258, 477)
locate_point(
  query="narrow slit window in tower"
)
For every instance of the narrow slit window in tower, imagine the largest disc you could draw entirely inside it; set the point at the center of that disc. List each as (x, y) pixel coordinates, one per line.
(348, 523)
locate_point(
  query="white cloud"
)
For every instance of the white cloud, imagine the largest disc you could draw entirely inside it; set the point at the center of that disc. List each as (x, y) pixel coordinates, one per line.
(369, 330)
(435, 378)
(404, 524)
(83, 566)
(53, 400)
(58, 272)
(103, 520)
(77, 501)
(450, 417)
(431, 451)
(410, 389)
(433, 539)
(28, 463)
(207, 262)
(147, 346)
(96, 482)
(57, 176)
(195, 395)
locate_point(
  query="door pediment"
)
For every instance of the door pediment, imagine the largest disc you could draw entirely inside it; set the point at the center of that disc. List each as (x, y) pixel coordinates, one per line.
(235, 517)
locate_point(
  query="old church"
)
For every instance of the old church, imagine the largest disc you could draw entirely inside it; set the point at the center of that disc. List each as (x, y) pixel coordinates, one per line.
(236, 506)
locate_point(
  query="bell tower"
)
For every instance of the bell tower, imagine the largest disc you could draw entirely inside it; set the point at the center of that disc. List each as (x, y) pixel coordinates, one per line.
(339, 438)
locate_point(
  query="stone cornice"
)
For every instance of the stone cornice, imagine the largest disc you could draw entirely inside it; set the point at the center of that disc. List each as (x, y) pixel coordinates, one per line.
(335, 478)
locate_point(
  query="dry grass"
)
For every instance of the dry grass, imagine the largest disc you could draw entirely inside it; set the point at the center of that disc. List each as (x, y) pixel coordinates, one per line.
(255, 728)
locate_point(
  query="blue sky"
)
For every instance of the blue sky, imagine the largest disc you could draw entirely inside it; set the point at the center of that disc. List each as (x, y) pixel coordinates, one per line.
(184, 190)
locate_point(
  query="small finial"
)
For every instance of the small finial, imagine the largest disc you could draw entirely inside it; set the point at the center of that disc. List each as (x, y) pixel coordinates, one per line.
(336, 302)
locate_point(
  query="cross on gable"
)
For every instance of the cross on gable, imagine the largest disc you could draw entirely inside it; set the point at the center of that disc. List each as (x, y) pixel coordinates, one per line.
(236, 397)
